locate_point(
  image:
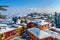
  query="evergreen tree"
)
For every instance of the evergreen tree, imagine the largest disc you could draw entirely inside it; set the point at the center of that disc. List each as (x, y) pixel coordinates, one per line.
(14, 19)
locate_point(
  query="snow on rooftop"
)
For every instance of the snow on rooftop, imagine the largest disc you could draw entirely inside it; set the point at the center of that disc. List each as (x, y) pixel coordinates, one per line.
(24, 24)
(29, 21)
(43, 23)
(3, 25)
(6, 30)
(36, 16)
(53, 34)
(18, 21)
(17, 25)
(58, 29)
(38, 33)
(40, 21)
(5, 21)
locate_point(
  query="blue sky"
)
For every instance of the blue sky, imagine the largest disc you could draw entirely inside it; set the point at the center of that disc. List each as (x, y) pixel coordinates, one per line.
(30, 3)
(22, 6)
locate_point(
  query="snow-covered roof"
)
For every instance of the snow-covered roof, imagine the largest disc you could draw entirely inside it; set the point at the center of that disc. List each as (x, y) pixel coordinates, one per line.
(23, 19)
(17, 25)
(36, 16)
(41, 22)
(5, 21)
(29, 21)
(18, 21)
(22, 15)
(38, 21)
(3, 25)
(6, 30)
(58, 29)
(53, 34)
(24, 24)
(38, 33)
(29, 16)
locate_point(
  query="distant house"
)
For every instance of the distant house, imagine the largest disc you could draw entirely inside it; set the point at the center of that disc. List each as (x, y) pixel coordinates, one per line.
(3, 16)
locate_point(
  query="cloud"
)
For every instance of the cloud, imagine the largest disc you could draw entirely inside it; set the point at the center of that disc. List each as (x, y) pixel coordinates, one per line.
(22, 11)
(45, 10)
(42, 10)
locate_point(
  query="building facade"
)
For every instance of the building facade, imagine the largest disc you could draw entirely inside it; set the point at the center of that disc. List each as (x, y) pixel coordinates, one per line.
(57, 19)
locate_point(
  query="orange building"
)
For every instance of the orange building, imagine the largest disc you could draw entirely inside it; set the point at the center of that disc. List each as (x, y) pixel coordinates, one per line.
(43, 26)
(36, 34)
(39, 23)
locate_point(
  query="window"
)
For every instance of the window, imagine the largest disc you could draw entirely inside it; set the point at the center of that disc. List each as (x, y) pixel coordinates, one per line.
(1, 35)
(8, 34)
(13, 33)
